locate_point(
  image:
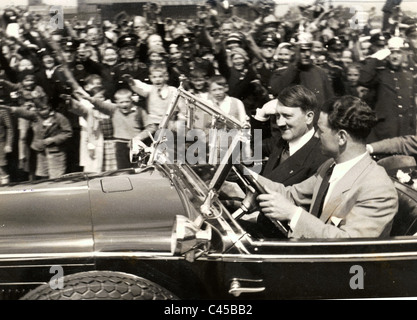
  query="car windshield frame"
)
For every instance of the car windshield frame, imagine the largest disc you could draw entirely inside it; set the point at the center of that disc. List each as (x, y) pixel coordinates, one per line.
(219, 119)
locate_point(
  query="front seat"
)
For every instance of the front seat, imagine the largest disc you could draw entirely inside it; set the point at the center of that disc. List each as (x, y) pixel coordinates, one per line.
(405, 221)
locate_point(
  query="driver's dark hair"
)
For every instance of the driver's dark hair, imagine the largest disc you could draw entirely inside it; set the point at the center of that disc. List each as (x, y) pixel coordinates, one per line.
(299, 96)
(351, 114)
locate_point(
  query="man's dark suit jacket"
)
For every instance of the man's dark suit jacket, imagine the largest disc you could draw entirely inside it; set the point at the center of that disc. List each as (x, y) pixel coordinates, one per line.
(298, 167)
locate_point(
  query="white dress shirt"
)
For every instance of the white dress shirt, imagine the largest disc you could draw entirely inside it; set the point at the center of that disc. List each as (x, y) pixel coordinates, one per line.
(339, 171)
(298, 143)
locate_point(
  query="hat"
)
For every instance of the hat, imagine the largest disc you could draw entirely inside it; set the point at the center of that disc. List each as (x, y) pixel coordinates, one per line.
(378, 39)
(182, 41)
(304, 40)
(269, 40)
(285, 45)
(234, 37)
(69, 45)
(79, 26)
(335, 44)
(239, 51)
(10, 15)
(44, 52)
(396, 43)
(127, 40)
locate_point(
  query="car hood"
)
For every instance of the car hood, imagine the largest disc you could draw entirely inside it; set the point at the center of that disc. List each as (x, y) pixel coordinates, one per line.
(121, 210)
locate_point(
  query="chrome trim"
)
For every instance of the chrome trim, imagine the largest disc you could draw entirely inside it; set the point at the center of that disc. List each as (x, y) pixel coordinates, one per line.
(257, 258)
(21, 283)
(92, 255)
(46, 265)
(43, 190)
(315, 257)
(350, 242)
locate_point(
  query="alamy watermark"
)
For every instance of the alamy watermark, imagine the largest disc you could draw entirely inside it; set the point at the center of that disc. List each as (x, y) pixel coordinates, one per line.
(359, 19)
(57, 17)
(57, 280)
(212, 146)
(357, 281)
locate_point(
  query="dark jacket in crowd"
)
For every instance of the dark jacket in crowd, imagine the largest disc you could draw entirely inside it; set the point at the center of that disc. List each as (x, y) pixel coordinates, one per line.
(312, 77)
(394, 105)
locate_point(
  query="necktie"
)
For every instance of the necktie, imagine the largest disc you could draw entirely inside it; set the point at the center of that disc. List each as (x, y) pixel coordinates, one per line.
(321, 195)
(285, 153)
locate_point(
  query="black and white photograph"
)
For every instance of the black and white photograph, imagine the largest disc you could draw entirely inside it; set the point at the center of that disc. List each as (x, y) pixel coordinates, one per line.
(211, 155)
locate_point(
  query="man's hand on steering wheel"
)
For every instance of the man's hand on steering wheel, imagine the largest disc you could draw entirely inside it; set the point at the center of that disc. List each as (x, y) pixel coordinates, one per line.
(275, 206)
(266, 198)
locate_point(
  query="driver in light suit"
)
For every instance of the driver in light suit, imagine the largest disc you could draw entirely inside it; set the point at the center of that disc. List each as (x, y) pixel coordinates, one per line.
(360, 201)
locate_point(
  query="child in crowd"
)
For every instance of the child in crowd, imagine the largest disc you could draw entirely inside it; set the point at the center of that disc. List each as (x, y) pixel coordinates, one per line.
(198, 84)
(50, 130)
(353, 72)
(27, 94)
(352, 86)
(158, 94)
(97, 152)
(128, 121)
(218, 96)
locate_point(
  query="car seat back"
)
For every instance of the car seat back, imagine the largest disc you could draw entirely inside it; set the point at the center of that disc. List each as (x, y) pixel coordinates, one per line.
(405, 221)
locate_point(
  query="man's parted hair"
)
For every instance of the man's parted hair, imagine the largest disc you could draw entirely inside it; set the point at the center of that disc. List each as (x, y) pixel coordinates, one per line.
(351, 114)
(299, 97)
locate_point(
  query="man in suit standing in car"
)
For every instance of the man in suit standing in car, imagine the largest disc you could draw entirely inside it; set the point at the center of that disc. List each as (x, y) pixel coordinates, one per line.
(351, 195)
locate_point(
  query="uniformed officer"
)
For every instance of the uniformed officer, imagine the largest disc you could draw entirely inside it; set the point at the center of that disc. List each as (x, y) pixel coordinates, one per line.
(411, 34)
(268, 64)
(378, 42)
(76, 57)
(334, 65)
(394, 86)
(303, 71)
(130, 63)
(187, 60)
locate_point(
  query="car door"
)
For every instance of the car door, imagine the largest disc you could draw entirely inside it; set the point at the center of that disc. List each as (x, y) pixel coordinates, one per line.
(317, 269)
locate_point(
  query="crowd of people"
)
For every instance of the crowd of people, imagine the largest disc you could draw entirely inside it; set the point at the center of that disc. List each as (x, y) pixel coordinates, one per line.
(72, 98)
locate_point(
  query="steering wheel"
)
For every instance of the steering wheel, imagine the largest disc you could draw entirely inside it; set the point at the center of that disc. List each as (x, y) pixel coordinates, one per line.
(245, 174)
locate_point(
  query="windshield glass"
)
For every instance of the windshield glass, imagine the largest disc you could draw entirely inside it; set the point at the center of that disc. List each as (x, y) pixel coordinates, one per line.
(197, 133)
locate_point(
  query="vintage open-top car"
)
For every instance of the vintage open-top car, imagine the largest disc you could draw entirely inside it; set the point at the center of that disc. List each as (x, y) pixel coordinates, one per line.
(165, 230)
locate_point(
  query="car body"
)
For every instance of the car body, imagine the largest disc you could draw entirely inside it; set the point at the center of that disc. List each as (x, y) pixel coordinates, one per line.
(161, 230)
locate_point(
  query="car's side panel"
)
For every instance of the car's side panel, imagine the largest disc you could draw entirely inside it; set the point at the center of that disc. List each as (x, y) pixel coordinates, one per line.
(305, 269)
(41, 225)
(45, 217)
(134, 212)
